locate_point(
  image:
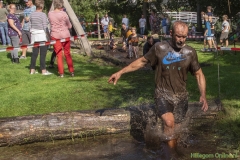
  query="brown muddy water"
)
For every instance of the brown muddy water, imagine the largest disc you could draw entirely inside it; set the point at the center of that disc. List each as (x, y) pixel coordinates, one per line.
(118, 147)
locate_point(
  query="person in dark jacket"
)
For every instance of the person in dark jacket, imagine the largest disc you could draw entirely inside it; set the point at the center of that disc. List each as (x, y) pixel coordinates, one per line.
(150, 42)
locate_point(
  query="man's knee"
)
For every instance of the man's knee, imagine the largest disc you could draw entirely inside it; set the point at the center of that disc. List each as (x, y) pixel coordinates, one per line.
(168, 119)
(169, 123)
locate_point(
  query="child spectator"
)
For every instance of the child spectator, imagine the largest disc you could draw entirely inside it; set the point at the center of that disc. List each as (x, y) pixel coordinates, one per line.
(225, 31)
(112, 44)
(133, 40)
(207, 33)
(110, 29)
(193, 30)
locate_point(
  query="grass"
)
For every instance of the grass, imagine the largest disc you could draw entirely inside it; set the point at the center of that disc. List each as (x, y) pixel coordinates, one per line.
(25, 94)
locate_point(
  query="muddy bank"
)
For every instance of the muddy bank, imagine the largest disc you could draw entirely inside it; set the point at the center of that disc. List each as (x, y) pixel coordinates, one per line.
(117, 147)
(71, 125)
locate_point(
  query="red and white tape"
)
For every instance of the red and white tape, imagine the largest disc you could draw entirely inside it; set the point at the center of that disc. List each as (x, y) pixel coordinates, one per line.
(189, 37)
(47, 43)
(41, 43)
(228, 49)
(90, 23)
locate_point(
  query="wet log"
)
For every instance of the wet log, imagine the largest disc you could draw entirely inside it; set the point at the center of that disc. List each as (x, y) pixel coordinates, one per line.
(71, 125)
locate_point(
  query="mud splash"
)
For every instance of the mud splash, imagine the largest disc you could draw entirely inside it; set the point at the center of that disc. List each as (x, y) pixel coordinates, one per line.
(196, 141)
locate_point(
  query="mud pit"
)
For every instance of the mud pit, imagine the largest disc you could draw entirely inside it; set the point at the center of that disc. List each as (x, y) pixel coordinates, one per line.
(199, 138)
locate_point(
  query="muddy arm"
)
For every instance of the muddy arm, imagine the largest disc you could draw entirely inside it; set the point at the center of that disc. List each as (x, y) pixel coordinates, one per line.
(135, 65)
(202, 88)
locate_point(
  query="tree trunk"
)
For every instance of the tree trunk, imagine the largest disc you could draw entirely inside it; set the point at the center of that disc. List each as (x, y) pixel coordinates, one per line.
(78, 28)
(70, 125)
(199, 18)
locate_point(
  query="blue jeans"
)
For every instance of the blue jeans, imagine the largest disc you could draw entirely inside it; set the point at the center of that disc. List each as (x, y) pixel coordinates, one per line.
(142, 30)
(4, 33)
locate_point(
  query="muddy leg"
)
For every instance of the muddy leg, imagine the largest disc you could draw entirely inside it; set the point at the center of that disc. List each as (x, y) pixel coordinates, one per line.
(168, 121)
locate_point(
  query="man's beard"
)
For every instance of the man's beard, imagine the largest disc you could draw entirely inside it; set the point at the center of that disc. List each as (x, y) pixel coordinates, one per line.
(179, 45)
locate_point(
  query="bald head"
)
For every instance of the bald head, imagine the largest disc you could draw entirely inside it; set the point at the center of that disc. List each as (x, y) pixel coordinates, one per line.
(179, 34)
(179, 25)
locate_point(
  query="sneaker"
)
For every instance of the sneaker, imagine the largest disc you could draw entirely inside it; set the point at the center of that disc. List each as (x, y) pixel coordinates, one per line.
(22, 57)
(208, 50)
(46, 73)
(213, 49)
(35, 72)
(72, 74)
(51, 66)
(60, 76)
(203, 49)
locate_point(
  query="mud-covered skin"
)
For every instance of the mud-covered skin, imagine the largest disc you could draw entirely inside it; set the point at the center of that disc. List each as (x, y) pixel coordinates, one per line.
(172, 67)
(179, 109)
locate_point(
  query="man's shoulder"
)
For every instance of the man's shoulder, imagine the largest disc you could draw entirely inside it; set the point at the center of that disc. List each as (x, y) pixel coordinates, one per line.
(189, 49)
(162, 44)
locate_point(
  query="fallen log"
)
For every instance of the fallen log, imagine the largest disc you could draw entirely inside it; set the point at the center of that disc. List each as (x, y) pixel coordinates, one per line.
(71, 125)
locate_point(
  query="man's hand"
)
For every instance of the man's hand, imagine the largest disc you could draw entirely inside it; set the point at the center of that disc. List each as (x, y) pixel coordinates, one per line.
(203, 100)
(114, 78)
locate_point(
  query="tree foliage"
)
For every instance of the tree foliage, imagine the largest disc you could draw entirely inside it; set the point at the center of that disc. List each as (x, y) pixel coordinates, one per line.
(116, 8)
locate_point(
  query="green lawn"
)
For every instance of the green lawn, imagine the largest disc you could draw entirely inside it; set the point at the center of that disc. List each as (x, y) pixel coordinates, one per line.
(25, 94)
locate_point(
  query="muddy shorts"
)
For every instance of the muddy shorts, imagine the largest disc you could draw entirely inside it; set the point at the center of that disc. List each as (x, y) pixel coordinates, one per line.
(179, 110)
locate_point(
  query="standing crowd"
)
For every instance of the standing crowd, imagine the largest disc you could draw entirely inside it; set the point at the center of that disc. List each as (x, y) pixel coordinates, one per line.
(210, 43)
(35, 28)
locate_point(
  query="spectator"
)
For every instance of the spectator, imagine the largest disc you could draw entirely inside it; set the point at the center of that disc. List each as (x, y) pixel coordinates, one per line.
(156, 24)
(168, 21)
(110, 29)
(95, 20)
(209, 13)
(111, 20)
(104, 22)
(53, 56)
(125, 20)
(225, 31)
(83, 22)
(26, 36)
(207, 33)
(193, 30)
(148, 45)
(142, 25)
(151, 20)
(4, 25)
(164, 25)
(133, 40)
(112, 44)
(213, 38)
(38, 28)
(14, 31)
(60, 25)
(124, 31)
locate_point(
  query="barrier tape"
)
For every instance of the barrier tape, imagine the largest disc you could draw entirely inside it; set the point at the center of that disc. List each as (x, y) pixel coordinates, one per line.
(37, 44)
(89, 23)
(94, 32)
(189, 37)
(47, 43)
(228, 49)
